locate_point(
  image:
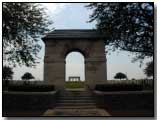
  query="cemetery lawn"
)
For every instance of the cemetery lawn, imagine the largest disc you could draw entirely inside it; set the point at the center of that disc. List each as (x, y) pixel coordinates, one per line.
(74, 84)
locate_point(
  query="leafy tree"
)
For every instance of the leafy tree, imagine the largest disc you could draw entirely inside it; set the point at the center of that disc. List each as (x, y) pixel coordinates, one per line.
(149, 69)
(7, 73)
(128, 26)
(120, 76)
(27, 76)
(23, 24)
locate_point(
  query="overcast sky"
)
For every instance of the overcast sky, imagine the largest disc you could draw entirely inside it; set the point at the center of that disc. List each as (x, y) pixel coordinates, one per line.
(75, 16)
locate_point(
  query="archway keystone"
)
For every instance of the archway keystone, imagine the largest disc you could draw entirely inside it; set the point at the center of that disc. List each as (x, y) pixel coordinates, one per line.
(60, 42)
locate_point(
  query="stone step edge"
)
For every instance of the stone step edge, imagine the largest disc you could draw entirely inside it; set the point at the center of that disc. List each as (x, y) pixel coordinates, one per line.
(65, 104)
(76, 107)
(76, 101)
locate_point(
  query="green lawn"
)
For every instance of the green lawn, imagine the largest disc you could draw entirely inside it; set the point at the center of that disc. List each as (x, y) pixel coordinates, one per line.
(74, 84)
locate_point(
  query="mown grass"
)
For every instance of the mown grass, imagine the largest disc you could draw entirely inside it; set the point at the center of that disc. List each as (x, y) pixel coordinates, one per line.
(74, 84)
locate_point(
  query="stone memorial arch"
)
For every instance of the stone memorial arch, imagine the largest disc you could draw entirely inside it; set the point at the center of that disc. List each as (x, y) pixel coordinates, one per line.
(61, 42)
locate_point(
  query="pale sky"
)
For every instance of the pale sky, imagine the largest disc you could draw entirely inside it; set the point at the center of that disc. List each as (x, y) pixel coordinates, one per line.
(75, 16)
(75, 65)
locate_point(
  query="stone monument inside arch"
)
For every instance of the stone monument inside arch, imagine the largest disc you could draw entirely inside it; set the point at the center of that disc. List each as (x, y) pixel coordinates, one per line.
(59, 43)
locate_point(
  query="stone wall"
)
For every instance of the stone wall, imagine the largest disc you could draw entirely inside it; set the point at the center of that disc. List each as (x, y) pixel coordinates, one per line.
(126, 100)
(28, 100)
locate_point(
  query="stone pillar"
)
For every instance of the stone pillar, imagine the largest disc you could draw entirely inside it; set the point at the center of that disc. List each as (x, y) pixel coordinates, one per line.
(95, 64)
(95, 72)
(54, 73)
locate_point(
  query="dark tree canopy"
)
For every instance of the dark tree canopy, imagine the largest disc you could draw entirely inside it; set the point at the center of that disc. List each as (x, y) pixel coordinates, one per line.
(128, 26)
(120, 76)
(27, 76)
(149, 69)
(7, 73)
(23, 23)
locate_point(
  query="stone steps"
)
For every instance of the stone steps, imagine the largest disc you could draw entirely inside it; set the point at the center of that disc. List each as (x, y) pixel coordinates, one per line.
(72, 104)
(76, 103)
(75, 99)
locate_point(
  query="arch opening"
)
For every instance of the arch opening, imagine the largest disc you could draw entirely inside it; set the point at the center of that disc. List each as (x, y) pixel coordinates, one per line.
(75, 70)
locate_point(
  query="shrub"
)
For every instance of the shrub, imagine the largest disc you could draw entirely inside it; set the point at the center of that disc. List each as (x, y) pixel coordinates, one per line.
(118, 87)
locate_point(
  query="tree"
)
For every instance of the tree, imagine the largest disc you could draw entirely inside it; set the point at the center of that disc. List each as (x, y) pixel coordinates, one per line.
(7, 73)
(128, 26)
(149, 69)
(27, 76)
(23, 24)
(120, 76)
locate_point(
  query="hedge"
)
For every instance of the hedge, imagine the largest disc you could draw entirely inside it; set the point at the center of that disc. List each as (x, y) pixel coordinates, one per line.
(31, 88)
(118, 87)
